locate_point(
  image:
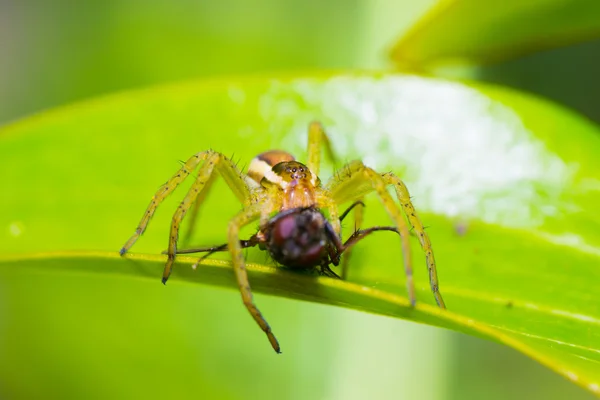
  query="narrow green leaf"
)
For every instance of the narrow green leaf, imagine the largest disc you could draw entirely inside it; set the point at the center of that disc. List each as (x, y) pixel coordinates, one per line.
(507, 184)
(470, 31)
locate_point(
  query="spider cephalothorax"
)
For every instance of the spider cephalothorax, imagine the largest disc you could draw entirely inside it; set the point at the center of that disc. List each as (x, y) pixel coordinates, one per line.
(287, 197)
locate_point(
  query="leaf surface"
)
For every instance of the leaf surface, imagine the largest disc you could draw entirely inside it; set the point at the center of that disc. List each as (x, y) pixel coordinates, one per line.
(506, 183)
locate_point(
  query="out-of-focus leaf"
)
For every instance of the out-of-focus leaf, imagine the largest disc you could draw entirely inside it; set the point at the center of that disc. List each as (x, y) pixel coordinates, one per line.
(471, 31)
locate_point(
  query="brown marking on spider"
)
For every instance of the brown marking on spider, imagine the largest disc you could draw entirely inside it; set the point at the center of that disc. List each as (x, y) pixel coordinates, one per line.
(287, 196)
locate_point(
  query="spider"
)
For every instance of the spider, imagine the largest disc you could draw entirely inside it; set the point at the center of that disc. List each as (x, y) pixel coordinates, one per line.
(286, 196)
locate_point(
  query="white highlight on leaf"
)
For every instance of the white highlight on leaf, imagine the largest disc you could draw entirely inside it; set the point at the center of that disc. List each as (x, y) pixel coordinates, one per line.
(16, 228)
(236, 94)
(459, 152)
(572, 241)
(572, 376)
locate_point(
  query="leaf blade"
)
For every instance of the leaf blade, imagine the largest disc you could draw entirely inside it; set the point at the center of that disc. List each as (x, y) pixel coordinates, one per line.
(506, 182)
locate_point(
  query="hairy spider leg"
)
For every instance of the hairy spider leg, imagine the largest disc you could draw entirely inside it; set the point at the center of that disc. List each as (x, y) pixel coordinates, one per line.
(212, 160)
(215, 162)
(243, 218)
(404, 199)
(196, 208)
(325, 201)
(241, 191)
(317, 138)
(355, 181)
(358, 219)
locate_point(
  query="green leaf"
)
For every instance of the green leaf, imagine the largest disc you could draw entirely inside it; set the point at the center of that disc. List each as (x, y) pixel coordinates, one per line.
(471, 31)
(507, 184)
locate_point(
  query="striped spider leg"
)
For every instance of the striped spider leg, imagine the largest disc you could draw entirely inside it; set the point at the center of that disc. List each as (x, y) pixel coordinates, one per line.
(356, 180)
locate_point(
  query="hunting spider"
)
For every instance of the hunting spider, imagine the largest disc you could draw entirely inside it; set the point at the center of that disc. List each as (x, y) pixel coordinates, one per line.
(287, 196)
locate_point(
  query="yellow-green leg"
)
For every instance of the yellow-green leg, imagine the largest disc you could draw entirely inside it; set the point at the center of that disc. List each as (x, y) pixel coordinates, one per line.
(355, 181)
(226, 168)
(161, 194)
(325, 201)
(193, 217)
(239, 266)
(317, 138)
(204, 175)
(213, 162)
(358, 212)
(394, 212)
(419, 229)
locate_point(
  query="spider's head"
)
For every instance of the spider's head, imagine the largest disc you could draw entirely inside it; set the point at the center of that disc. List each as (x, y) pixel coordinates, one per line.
(294, 173)
(295, 181)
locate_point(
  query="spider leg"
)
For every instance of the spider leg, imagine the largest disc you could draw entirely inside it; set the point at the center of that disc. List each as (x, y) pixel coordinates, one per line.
(336, 248)
(245, 217)
(356, 203)
(324, 200)
(208, 249)
(196, 208)
(317, 138)
(355, 181)
(404, 198)
(215, 249)
(360, 234)
(358, 219)
(231, 175)
(227, 169)
(253, 241)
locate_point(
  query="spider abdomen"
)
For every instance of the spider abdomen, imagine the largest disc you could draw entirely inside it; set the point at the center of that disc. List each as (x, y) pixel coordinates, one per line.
(298, 238)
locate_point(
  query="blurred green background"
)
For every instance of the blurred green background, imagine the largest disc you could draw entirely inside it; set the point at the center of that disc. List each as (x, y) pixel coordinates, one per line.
(57, 53)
